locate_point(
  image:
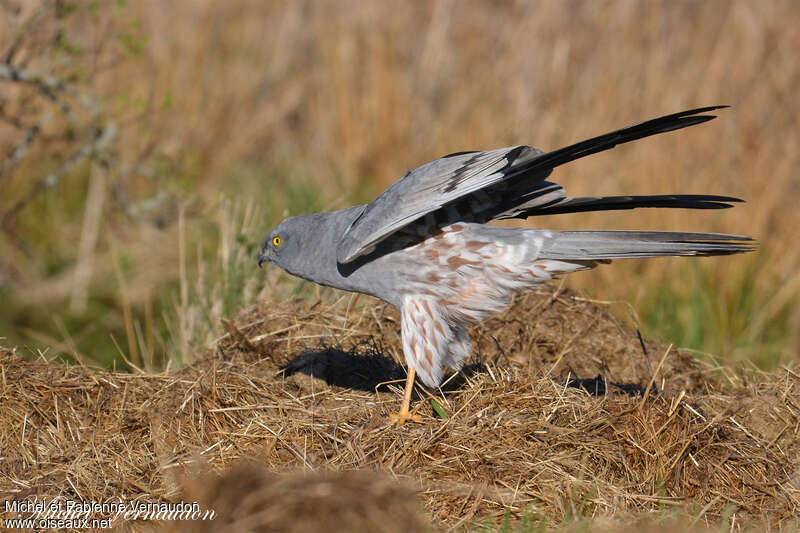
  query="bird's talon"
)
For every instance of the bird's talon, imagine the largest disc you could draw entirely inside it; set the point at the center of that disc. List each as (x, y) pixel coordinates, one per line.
(402, 418)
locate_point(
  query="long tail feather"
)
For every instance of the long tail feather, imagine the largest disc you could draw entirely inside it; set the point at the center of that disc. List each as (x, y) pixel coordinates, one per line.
(587, 245)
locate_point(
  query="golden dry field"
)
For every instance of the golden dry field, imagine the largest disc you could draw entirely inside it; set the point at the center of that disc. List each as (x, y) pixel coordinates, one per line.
(146, 147)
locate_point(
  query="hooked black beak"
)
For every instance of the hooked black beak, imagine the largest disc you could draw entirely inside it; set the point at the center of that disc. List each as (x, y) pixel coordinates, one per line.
(261, 259)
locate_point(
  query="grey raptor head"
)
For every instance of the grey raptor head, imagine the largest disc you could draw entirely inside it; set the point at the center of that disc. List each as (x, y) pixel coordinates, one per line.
(307, 243)
(288, 242)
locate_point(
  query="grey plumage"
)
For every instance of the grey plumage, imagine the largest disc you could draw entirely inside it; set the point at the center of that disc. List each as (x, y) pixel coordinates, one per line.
(506, 183)
(423, 244)
(640, 244)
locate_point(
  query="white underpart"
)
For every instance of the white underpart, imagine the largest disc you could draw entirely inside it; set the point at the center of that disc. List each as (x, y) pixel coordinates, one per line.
(458, 281)
(426, 337)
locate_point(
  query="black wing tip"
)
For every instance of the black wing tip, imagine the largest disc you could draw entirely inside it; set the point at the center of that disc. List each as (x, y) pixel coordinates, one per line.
(717, 202)
(620, 203)
(698, 111)
(690, 117)
(697, 197)
(676, 121)
(705, 109)
(655, 126)
(711, 202)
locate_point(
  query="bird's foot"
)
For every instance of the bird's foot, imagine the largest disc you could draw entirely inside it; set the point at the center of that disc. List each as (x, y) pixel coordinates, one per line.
(401, 418)
(405, 415)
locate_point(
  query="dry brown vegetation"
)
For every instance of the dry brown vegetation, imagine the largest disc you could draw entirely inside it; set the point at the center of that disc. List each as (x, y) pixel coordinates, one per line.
(287, 101)
(511, 437)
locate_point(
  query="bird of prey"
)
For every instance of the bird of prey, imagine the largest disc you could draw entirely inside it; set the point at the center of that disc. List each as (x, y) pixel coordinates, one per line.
(424, 245)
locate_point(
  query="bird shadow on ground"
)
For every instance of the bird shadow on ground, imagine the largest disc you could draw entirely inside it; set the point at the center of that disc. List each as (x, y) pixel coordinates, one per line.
(364, 371)
(598, 386)
(368, 369)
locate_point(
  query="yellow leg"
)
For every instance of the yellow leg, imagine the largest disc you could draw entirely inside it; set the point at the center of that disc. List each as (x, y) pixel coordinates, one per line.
(403, 416)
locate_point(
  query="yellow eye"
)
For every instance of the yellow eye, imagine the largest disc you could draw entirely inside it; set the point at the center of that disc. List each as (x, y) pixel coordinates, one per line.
(277, 241)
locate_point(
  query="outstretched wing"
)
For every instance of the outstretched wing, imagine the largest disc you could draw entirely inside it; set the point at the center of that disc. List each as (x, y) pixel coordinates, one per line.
(503, 183)
(428, 188)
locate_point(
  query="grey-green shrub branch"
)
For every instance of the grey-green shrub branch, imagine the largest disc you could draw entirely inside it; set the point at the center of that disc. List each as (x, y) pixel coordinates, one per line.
(23, 28)
(101, 144)
(50, 86)
(22, 148)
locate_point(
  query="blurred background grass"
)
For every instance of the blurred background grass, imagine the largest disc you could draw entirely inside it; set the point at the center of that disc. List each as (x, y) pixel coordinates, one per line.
(148, 146)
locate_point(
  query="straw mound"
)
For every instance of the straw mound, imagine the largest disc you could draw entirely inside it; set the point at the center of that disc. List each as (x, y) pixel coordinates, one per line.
(508, 435)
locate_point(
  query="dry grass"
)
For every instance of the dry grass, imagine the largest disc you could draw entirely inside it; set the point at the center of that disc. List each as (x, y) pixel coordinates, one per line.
(709, 444)
(286, 102)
